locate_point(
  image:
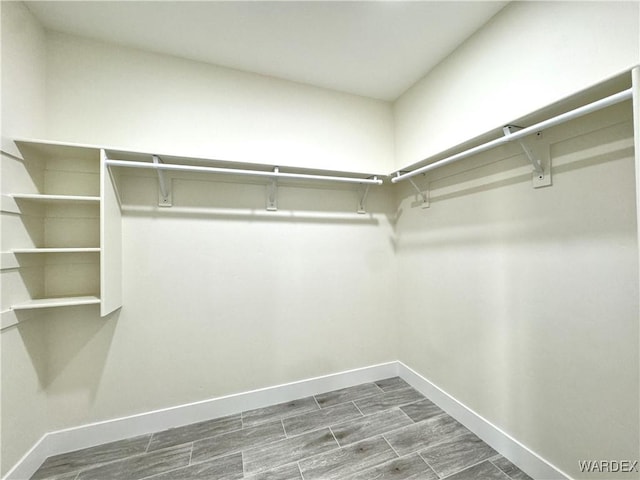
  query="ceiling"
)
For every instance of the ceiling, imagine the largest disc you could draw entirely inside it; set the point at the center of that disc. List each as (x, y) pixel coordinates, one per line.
(376, 49)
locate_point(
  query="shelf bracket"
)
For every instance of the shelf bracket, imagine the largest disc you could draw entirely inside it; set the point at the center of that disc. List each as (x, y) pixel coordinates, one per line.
(272, 193)
(537, 154)
(363, 192)
(423, 196)
(164, 195)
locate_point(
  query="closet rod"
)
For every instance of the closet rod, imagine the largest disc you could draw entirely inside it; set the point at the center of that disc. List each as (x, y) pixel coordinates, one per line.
(235, 171)
(551, 122)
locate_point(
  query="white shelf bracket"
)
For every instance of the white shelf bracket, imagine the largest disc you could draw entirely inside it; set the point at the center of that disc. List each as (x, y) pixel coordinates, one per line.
(164, 192)
(537, 154)
(363, 192)
(272, 193)
(423, 197)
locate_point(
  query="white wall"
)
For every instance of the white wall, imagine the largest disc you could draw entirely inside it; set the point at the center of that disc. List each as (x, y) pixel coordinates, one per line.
(222, 297)
(23, 400)
(23, 72)
(523, 303)
(529, 55)
(104, 94)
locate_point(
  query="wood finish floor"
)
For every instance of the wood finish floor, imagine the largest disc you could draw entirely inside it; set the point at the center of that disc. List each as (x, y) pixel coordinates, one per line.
(382, 430)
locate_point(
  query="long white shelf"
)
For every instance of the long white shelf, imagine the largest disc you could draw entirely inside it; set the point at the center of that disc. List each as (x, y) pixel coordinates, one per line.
(56, 302)
(47, 198)
(56, 250)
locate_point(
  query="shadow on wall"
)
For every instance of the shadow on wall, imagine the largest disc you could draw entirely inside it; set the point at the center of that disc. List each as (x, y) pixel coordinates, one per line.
(68, 346)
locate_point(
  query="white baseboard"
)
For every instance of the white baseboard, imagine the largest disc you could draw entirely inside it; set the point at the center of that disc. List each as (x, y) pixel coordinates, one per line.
(525, 459)
(68, 440)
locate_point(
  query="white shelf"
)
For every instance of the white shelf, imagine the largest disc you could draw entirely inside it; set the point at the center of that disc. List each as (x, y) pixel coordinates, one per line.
(56, 302)
(36, 197)
(56, 250)
(68, 205)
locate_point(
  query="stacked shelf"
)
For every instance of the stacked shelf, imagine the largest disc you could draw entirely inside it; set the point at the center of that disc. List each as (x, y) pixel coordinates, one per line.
(58, 231)
(37, 197)
(56, 302)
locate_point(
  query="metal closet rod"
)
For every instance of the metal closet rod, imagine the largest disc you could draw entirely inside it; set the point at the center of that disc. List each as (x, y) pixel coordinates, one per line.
(235, 171)
(551, 122)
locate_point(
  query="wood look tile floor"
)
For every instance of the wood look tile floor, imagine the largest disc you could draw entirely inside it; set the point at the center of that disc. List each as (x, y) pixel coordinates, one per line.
(382, 430)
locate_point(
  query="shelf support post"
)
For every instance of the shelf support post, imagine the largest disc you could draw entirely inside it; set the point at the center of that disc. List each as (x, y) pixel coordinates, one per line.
(538, 157)
(272, 193)
(164, 199)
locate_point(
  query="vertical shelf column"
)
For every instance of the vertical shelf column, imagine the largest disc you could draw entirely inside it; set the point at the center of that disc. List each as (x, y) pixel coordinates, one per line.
(110, 241)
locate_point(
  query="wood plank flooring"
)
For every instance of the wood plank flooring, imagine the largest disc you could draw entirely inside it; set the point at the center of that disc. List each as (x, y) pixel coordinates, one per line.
(382, 430)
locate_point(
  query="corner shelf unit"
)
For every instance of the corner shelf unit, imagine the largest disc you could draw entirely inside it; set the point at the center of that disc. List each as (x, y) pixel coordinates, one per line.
(66, 235)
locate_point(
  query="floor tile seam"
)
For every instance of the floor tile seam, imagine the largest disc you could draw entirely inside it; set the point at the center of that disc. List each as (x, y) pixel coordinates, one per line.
(322, 410)
(408, 426)
(405, 414)
(58, 475)
(150, 477)
(370, 468)
(416, 401)
(393, 389)
(240, 450)
(82, 468)
(149, 442)
(390, 446)
(430, 466)
(243, 413)
(386, 407)
(437, 444)
(337, 447)
(342, 422)
(300, 470)
(334, 450)
(335, 439)
(381, 388)
(320, 427)
(507, 477)
(194, 440)
(430, 419)
(396, 405)
(354, 404)
(99, 465)
(495, 457)
(373, 435)
(368, 395)
(281, 417)
(92, 466)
